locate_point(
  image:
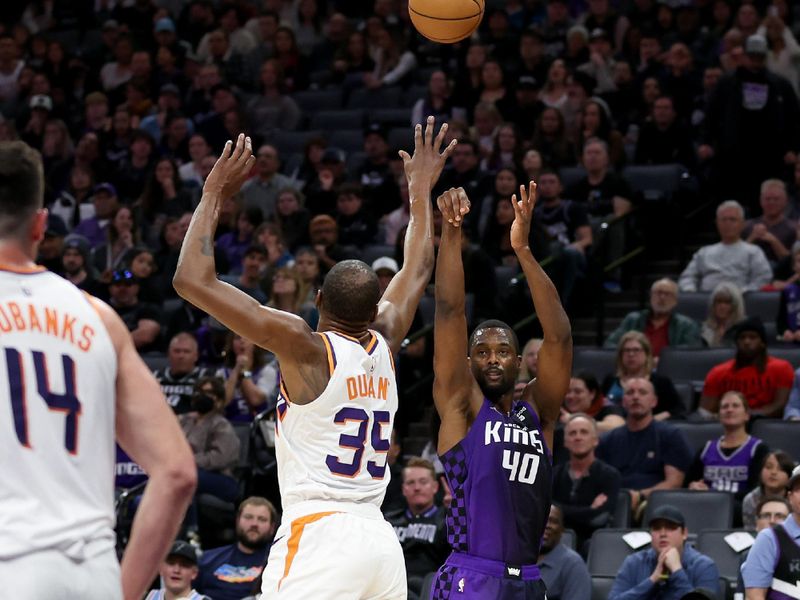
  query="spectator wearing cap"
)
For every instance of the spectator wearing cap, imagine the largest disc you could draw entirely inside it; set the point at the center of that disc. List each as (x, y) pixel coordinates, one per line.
(528, 106)
(254, 261)
(670, 568)
(375, 173)
(262, 191)
(75, 266)
(357, 226)
(169, 102)
(320, 191)
(731, 259)
(132, 172)
(41, 107)
(663, 139)
(771, 569)
(601, 63)
(105, 201)
(748, 106)
(763, 379)
(142, 320)
(324, 234)
(51, 246)
(177, 572)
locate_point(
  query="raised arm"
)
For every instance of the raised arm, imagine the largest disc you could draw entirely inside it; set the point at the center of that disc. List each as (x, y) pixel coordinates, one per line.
(196, 278)
(555, 354)
(399, 303)
(455, 391)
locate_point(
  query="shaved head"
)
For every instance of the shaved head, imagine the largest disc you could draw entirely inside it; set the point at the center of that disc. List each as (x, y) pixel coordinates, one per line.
(351, 292)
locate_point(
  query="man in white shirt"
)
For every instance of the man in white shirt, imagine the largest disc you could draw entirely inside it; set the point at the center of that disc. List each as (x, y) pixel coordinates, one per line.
(177, 572)
(730, 259)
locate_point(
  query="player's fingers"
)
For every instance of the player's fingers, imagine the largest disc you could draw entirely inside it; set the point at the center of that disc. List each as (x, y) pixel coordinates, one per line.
(404, 155)
(237, 151)
(440, 137)
(532, 194)
(463, 201)
(449, 150)
(417, 138)
(515, 204)
(429, 131)
(226, 151)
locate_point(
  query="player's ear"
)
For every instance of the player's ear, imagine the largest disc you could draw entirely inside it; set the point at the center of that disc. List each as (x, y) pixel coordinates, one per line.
(39, 225)
(318, 300)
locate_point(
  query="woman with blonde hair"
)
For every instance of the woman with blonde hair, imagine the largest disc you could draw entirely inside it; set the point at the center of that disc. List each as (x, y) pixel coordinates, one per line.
(635, 360)
(725, 309)
(289, 294)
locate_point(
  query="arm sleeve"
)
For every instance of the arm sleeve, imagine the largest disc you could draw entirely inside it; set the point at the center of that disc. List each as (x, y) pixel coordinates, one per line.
(627, 585)
(675, 450)
(759, 567)
(793, 405)
(760, 271)
(577, 581)
(406, 63)
(711, 384)
(704, 576)
(688, 280)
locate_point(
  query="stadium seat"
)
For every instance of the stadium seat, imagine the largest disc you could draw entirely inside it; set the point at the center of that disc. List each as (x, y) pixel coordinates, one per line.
(601, 587)
(571, 175)
(289, 142)
(155, 360)
(374, 251)
(600, 362)
(333, 120)
(686, 394)
(503, 276)
(701, 509)
(401, 138)
(788, 352)
(349, 140)
(315, 100)
(414, 93)
(682, 364)
(386, 97)
(569, 538)
(354, 162)
(655, 181)
(763, 305)
(779, 435)
(391, 117)
(697, 434)
(711, 542)
(621, 519)
(607, 552)
(693, 305)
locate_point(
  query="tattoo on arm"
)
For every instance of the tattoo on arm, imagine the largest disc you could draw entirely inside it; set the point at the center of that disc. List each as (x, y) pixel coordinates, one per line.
(207, 246)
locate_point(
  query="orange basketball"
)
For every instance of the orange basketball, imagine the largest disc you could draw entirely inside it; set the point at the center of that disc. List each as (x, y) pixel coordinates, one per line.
(446, 21)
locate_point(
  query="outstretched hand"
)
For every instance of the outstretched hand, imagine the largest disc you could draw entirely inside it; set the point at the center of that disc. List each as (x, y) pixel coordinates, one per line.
(427, 163)
(454, 205)
(232, 168)
(523, 215)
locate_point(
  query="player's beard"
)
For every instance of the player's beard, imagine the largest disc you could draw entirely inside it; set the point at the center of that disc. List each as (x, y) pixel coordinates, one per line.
(496, 389)
(249, 541)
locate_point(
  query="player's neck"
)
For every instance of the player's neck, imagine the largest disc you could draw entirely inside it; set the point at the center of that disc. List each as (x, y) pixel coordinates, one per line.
(14, 254)
(360, 331)
(504, 402)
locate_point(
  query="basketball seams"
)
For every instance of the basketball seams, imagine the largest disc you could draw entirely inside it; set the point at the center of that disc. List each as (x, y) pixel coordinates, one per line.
(477, 14)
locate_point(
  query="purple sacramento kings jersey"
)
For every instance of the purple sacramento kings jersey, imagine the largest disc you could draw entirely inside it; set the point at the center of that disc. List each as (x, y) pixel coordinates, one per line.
(728, 473)
(500, 475)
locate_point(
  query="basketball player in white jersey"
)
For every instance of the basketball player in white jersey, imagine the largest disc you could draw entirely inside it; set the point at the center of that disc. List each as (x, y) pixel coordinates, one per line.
(338, 392)
(69, 378)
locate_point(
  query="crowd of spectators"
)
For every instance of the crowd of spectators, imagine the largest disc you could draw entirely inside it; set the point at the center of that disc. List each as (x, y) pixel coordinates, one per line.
(129, 102)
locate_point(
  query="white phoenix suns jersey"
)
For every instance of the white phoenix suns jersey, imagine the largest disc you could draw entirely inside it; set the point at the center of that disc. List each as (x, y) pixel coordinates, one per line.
(58, 371)
(335, 447)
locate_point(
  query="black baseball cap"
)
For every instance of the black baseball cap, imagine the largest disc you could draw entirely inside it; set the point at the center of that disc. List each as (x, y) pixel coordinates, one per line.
(753, 324)
(184, 550)
(377, 129)
(667, 512)
(55, 226)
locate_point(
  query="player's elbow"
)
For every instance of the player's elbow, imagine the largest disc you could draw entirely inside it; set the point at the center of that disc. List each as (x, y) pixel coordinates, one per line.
(180, 474)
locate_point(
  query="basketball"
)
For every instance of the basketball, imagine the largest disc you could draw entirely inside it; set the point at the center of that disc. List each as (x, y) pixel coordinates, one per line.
(446, 21)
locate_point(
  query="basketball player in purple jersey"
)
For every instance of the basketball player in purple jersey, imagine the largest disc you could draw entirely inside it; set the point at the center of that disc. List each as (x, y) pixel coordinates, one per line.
(495, 451)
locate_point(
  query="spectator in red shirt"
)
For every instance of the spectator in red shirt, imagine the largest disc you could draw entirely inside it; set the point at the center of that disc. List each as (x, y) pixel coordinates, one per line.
(765, 381)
